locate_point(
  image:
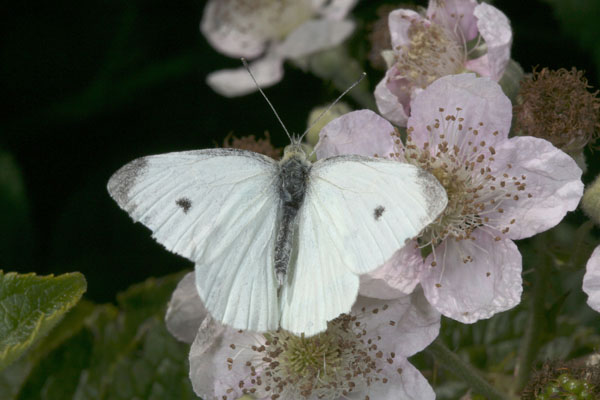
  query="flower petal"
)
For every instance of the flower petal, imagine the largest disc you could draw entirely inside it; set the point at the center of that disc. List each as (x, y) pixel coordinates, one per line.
(397, 277)
(591, 280)
(449, 13)
(224, 36)
(212, 374)
(399, 21)
(393, 106)
(480, 65)
(337, 9)
(495, 29)
(237, 82)
(359, 132)
(552, 178)
(410, 317)
(481, 101)
(477, 289)
(315, 35)
(405, 382)
(186, 311)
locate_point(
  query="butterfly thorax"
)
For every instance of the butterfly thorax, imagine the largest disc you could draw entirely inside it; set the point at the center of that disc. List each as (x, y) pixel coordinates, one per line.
(292, 183)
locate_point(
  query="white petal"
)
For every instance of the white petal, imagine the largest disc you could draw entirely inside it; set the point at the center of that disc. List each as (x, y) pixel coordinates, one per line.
(337, 9)
(405, 382)
(211, 374)
(399, 21)
(409, 317)
(186, 311)
(481, 100)
(476, 289)
(315, 35)
(453, 13)
(552, 178)
(398, 276)
(359, 132)
(237, 82)
(388, 103)
(495, 29)
(224, 36)
(591, 280)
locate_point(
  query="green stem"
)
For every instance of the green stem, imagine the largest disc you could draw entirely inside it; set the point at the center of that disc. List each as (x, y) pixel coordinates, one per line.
(469, 374)
(530, 343)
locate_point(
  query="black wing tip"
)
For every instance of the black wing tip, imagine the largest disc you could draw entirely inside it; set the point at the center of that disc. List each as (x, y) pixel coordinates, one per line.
(120, 183)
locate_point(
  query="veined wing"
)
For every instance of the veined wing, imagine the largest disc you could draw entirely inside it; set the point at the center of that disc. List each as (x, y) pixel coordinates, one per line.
(357, 212)
(217, 207)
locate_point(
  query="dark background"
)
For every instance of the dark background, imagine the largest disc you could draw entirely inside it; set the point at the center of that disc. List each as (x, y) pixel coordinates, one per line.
(89, 86)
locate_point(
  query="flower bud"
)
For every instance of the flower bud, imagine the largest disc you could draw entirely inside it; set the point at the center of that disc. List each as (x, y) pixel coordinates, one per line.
(339, 109)
(590, 203)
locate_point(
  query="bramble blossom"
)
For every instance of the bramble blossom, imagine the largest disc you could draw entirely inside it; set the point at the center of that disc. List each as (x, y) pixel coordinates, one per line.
(454, 36)
(268, 32)
(499, 190)
(591, 280)
(362, 355)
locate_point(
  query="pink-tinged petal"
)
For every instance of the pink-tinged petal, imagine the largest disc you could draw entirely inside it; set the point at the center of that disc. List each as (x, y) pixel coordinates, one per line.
(237, 82)
(393, 106)
(470, 290)
(337, 9)
(397, 277)
(480, 65)
(212, 374)
(358, 132)
(552, 185)
(495, 29)
(409, 317)
(591, 280)
(399, 21)
(186, 311)
(480, 100)
(405, 382)
(453, 13)
(224, 36)
(315, 35)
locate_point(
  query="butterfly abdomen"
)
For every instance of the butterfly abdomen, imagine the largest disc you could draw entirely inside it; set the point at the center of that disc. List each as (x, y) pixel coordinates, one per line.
(293, 179)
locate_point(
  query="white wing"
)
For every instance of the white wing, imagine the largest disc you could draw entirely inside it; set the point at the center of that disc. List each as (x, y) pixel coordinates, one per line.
(357, 212)
(219, 208)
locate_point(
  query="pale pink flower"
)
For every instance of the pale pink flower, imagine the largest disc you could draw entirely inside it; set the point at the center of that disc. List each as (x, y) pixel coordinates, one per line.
(268, 32)
(591, 280)
(499, 190)
(362, 355)
(454, 36)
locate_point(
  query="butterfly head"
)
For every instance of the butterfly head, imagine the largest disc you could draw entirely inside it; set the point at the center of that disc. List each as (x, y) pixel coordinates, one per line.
(294, 150)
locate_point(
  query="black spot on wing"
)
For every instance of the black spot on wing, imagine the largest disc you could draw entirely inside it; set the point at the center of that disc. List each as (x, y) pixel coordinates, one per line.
(378, 212)
(123, 180)
(184, 203)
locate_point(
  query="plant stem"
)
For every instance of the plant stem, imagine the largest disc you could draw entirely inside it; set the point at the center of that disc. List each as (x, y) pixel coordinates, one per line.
(469, 374)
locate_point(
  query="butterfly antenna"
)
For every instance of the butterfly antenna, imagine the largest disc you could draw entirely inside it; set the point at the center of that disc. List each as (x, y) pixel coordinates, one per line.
(265, 96)
(362, 76)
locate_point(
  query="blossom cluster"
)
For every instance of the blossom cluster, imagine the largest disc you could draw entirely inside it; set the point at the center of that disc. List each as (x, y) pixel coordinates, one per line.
(442, 110)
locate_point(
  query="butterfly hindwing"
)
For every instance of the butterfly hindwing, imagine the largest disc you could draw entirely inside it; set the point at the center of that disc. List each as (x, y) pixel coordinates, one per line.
(357, 212)
(218, 208)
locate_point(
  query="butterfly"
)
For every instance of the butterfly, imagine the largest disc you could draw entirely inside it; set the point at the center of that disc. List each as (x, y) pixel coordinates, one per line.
(278, 243)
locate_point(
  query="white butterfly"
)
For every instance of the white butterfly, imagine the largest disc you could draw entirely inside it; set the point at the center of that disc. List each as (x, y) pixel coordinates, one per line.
(278, 243)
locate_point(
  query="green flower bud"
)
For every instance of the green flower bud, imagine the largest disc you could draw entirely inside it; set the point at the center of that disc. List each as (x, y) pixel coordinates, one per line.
(339, 109)
(590, 203)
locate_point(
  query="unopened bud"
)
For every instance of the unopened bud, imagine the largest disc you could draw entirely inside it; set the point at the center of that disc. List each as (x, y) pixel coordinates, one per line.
(590, 203)
(339, 109)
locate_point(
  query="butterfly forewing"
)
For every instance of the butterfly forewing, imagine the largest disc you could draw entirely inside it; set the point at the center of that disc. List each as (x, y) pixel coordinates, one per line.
(219, 208)
(357, 212)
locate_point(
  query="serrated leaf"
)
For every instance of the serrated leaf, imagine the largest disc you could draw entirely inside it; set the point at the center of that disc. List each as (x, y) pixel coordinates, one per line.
(30, 306)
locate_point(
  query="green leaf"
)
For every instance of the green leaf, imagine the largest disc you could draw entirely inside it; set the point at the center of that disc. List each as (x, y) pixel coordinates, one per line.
(30, 306)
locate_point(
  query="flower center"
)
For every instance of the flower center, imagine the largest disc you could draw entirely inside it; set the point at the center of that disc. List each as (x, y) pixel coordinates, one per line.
(463, 163)
(433, 52)
(344, 359)
(266, 19)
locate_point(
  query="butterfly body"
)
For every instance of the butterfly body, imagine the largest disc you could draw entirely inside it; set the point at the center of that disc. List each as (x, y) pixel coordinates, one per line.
(294, 170)
(278, 243)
